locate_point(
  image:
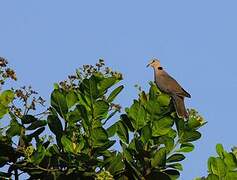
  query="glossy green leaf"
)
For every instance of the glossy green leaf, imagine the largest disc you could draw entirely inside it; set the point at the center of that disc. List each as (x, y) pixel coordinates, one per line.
(84, 115)
(122, 132)
(159, 158)
(37, 124)
(230, 161)
(106, 83)
(173, 174)
(115, 93)
(162, 126)
(37, 132)
(38, 155)
(220, 150)
(58, 101)
(3, 161)
(67, 144)
(231, 176)
(212, 177)
(112, 130)
(153, 92)
(3, 110)
(153, 107)
(101, 109)
(138, 115)
(168, 142)
(175, 158)
(189, 136)
(127, 121)
(177, 166)
(6, 97)
(89, 87)
(27, 119)
(55, 125)
(71, 99)
(163, 99)
(186, 147)
(14, 129)
(218, 167)
(99, 137)
(146, 133)
(116, 164)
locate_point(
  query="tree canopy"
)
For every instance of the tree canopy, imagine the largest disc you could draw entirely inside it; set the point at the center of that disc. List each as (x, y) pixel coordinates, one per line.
(76, 136)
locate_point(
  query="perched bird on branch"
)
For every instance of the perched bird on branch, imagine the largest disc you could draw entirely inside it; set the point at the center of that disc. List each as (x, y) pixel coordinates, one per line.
(170, 86)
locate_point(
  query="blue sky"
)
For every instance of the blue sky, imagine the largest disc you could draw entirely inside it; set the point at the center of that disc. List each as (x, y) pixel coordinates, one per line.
(196, 42)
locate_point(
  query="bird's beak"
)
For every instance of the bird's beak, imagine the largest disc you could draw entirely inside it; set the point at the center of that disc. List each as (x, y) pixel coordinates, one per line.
(148, 65)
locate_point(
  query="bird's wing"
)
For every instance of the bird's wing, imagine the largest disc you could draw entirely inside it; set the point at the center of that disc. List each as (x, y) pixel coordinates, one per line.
(170, 85)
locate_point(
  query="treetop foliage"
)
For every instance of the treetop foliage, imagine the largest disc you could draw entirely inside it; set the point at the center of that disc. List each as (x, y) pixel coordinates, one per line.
(79, 143)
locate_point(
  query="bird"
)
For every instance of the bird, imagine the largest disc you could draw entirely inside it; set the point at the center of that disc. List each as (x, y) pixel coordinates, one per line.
(170, 86)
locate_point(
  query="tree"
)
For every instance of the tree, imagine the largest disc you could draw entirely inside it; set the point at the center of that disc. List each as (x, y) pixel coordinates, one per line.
(80, 144)
(224, 166)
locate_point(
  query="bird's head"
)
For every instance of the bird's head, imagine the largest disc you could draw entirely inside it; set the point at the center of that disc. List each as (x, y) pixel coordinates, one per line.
(155, 63)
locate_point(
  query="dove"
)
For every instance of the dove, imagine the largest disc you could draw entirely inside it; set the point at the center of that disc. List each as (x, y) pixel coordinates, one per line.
(169, 85)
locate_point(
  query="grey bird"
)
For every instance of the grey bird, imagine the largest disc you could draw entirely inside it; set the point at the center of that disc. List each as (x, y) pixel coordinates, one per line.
(170, 86)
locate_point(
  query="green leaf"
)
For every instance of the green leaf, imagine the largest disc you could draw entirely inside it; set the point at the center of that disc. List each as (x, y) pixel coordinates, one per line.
(212, 177)
(3, 110)
(163, 99)
(138, 115)
(74, 116)
(127, 121)
(218, 167)
(106, 83)
(173, 174)
(168, 142)
(67, 144)
(162, 126)
(177, 166)
(230, 161)
(84, 116)
(189, 136)
(6, 97)
(175, 158)
(71, 99)
(185, 147)
(146, 133)
(58, 101)
(231, 176)
(14, 129)
(36, 133)
(220, 150)
(99, 137)
(38, 155)
(122, 132)
(101, 109)
(55, 125)
(114, 93)
(112, 130)
(3, 161)
(27, 119)
(89, 87)
(153, 92)
(159, 158)
(37, 124)
(116, 165)
(153, 107)
(193, 122)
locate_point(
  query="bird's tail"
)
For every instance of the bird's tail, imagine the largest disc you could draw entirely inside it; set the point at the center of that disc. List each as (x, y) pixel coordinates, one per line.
(179, 106)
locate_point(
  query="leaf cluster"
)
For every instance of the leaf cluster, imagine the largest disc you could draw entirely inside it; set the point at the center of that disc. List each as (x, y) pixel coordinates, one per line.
(153, 139)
